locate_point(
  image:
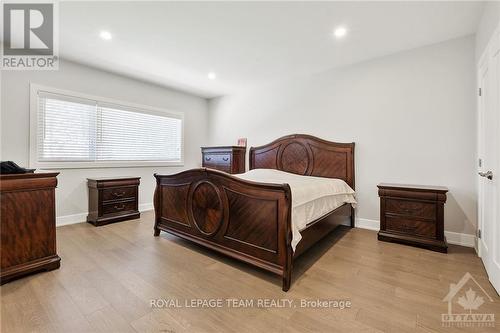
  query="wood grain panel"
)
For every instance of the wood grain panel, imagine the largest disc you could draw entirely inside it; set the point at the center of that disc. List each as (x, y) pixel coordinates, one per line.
(206, 207)
(174, 199)
(257, 228)
(28, 225)
(337, 161)
(266, 158)
(295, 158)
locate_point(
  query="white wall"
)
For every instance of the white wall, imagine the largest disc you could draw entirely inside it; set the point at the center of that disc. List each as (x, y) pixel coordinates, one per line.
(412, 116)
(71, 195)
(487, 25)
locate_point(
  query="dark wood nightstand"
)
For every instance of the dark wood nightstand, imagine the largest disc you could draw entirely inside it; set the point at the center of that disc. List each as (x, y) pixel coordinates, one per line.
(113, 199)
(230, 159)
(413, 214)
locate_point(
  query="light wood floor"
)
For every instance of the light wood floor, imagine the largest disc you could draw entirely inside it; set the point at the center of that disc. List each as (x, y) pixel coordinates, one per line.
(110, 274)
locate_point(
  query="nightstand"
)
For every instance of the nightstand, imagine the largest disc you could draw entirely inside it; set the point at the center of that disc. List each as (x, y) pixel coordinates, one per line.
(230, 159)
(113, 199)
(413, 215)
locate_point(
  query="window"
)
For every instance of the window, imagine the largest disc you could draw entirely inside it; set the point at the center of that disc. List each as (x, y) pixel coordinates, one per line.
(71, 130)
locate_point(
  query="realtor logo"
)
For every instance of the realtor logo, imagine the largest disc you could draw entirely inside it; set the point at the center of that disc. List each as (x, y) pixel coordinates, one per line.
(469, 300)
(29, 36)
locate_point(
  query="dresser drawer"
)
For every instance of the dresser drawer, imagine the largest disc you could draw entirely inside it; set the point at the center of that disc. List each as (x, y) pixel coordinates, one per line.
(117, 193)
(410, 226)
(217, 159)
(118, 207)
(424, 210)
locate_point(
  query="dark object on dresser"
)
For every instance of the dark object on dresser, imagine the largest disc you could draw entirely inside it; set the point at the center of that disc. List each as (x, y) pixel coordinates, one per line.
(413, 214)
(230, 159)
(251, 221)
(9, 168)
(28, 224)
(113, 199)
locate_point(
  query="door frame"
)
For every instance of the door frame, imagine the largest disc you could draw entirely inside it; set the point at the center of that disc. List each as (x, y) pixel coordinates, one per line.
(480, 149)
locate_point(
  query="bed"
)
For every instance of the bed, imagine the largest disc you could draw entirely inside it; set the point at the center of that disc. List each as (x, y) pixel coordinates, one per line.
(249, 218)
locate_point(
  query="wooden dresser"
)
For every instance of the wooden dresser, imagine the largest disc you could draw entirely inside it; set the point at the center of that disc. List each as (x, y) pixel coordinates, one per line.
(230, 159)
(113, 199)
(413, 214)
(28, 224)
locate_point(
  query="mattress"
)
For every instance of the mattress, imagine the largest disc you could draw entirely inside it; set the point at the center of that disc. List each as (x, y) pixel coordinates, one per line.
(312, 197)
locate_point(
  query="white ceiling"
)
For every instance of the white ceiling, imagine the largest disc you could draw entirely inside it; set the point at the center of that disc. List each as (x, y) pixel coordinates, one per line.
(176, 44)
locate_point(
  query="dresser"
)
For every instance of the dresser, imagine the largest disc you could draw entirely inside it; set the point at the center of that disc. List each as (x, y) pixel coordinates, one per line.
(230, 159)
(27, 224)
(413, 215)
(113, 199)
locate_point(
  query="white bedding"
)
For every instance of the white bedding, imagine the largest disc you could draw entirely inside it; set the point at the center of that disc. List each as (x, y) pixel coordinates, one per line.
(312, 197)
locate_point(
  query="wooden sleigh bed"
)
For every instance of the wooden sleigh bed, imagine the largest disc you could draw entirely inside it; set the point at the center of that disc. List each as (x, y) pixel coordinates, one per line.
(251, 221)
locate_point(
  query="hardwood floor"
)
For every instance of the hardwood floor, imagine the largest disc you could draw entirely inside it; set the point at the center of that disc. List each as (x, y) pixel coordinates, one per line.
(110, 274)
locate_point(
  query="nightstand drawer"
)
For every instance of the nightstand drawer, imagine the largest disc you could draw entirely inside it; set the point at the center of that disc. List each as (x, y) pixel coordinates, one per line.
(118, 207)
(216, 160)
(424, 210)
(410, 226)
(119, 193)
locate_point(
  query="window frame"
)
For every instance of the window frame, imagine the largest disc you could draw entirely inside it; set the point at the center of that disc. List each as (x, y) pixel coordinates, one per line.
(33, 158)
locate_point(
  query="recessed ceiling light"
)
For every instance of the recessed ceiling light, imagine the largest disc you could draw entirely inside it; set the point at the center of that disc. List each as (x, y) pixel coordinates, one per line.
(106, 35)
(340, 32)
(212, 76)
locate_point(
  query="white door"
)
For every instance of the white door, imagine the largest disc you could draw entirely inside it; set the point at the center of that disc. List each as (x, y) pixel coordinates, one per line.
(489, 154)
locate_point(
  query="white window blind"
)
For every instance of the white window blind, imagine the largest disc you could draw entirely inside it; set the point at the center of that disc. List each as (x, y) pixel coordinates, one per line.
(74, 129)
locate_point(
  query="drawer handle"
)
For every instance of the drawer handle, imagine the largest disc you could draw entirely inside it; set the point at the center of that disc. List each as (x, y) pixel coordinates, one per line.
(119, 207)
(208, 158)
(225, 159)
(119, 194)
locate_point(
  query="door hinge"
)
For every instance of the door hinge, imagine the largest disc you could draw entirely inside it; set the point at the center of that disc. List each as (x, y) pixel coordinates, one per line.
(480, 92)
(479, 233)
(480, 163)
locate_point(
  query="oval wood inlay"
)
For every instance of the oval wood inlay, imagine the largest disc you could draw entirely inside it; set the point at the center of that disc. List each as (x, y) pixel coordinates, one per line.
(206, 207)
(295, 158)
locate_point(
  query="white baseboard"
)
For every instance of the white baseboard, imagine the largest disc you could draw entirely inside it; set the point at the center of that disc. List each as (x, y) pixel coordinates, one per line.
(367, 224)
(451, 237)
(460, 239)
(82, 217)
(70, 219)
(145, 207)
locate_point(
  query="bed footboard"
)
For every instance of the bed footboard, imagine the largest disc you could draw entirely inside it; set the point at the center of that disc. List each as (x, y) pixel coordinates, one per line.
(245, 220)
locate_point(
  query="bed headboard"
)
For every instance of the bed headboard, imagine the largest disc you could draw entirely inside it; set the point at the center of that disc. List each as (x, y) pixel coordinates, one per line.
(306, 155)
